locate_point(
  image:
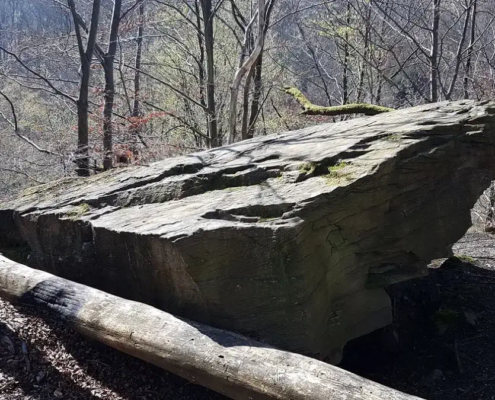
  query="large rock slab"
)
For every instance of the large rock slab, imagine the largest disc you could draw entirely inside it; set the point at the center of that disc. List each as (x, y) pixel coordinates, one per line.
(289, 238)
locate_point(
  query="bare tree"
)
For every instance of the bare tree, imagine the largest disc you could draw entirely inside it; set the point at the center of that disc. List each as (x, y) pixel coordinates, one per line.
(434, 51)
(108, 61)
(209, 39)
(86, 56)
(136, 105)
(470, 50)
(246, 66)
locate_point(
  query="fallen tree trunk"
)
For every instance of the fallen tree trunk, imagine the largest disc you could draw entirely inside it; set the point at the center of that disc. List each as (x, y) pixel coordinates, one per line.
(332, 111)
(231, 364)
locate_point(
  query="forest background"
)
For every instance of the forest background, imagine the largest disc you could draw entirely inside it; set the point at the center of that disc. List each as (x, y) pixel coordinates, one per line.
(87, 86)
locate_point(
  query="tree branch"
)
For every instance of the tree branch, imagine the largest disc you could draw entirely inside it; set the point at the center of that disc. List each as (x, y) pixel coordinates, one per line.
(171, 87)
(20, 172)
(15, 125)
(44, 79)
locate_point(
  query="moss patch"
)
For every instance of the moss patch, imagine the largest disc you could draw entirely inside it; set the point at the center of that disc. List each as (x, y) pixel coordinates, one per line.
(77, 211)
(338, 166)
(312, 109)
(465, 258)
(394, 137)
(307, 168)
(338, 180)
(336, 175)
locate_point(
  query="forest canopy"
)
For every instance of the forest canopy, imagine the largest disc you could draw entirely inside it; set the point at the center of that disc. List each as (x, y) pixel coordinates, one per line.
(93, 84)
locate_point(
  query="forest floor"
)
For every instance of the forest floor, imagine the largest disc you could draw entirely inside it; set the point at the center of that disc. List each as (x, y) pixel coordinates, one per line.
(440, 347)
(41, 359)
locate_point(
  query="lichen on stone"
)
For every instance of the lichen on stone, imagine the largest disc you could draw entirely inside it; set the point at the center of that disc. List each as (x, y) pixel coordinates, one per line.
(394, 137)
(307, 168)
(77, 211)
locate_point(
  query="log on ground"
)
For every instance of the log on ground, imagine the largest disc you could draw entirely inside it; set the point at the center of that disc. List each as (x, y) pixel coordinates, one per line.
(234, 365)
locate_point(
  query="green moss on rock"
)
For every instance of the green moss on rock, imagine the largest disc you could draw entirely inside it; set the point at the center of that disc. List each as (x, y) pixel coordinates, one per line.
(466, 259)
(307, 168)
(394, 137)
(336, 175)
(77, 211)
(313, 109)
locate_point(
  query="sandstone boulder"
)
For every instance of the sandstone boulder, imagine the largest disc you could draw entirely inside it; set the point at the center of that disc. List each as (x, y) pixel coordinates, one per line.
(289, 238)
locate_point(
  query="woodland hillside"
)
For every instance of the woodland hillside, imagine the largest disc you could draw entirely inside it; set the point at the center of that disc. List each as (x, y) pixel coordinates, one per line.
(89, 85)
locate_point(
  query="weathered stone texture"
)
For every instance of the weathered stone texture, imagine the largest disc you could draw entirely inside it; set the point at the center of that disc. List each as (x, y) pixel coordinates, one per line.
(483, 212)
(289, 238)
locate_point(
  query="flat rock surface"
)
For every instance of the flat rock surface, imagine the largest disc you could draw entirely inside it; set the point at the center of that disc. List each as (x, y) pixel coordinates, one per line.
(289, 238)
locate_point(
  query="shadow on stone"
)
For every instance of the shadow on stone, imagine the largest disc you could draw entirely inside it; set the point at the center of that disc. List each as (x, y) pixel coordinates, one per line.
(440, 345)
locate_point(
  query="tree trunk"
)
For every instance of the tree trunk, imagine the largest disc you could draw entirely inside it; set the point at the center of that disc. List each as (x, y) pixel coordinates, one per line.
(136, 109)
(201, 71)
(458, 58)
(345, 109)
(434, 52)
(110, 86)
(207, 9)
(469, 57)
(82, 153)
(255, 103)
(245, 104)
(234, 89)
(86, 57)
(258, 84)
(345, 72)
(107, 115)
(364, 61)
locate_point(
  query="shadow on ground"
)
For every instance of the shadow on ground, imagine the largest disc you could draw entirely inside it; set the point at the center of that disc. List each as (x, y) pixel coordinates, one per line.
(441, 345)
(42, 359)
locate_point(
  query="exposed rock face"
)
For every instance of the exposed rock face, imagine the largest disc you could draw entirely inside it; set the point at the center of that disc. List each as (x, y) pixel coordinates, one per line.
(483, 212)
(288, 238)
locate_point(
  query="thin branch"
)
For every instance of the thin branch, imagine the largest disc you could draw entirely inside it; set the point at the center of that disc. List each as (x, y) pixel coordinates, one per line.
(178, 118)
(174, 89)
(17, 171)
(12, 108)
(43, 78)
(19, 135)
